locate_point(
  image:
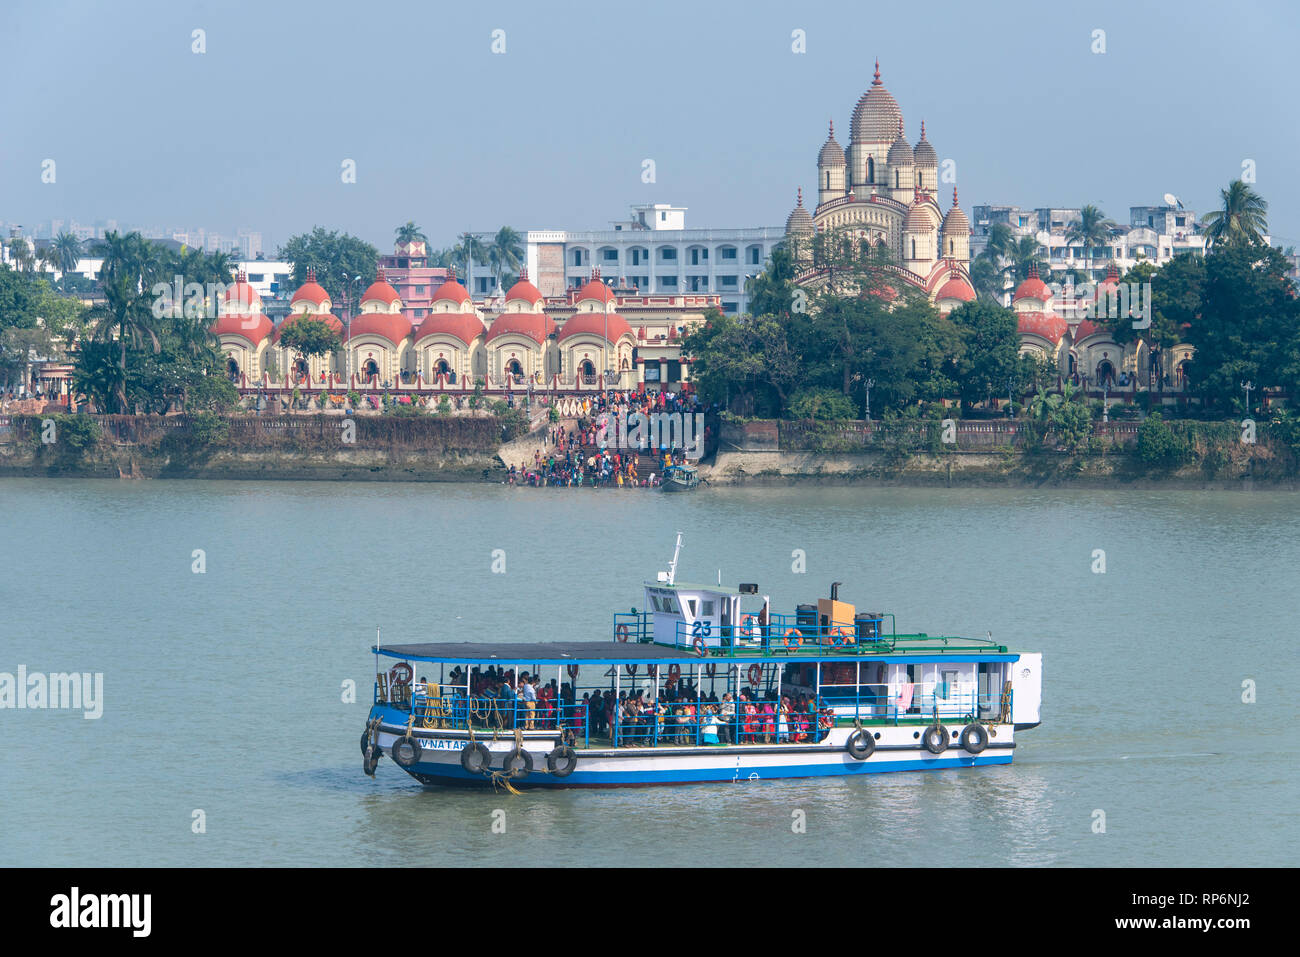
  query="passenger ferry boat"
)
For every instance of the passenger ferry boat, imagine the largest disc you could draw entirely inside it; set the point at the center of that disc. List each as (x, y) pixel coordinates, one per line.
(709, 685)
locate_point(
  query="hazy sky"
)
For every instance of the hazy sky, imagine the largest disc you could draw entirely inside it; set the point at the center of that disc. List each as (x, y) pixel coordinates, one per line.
(553, 132)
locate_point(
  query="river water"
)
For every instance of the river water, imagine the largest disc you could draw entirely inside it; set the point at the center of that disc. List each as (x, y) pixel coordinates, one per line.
(223, 693)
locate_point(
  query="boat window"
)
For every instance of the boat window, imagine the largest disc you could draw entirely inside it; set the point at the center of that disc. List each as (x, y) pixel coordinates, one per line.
(690, 606)
(948, 686)
(706, 609)
(669, 606)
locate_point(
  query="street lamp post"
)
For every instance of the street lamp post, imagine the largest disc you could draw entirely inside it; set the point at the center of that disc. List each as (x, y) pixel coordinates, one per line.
(1010, 385)
(1248, 386)
(867, 385)
(1105, 391)
(347, 332)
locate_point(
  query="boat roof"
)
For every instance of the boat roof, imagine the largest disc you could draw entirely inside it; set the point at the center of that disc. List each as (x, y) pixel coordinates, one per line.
(614, 652)
(690, 586)
(535, 652)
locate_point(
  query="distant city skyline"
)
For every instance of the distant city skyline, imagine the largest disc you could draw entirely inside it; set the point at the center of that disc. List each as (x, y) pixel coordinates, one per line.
(559, 127)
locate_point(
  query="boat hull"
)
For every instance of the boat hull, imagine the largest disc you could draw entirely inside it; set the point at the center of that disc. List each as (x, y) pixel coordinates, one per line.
(897, 750)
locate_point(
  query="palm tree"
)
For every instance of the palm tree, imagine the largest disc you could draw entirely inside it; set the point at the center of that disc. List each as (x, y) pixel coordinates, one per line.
(472, 250)
(1092, 229)
(130, 262)
(409, 233)
(1243, 217)
(506, 253)
(67, 252)
(1023, 253)
(21, 253)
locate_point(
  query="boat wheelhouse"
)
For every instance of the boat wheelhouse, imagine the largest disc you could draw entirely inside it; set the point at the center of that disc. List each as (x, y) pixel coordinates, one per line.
(703, 684)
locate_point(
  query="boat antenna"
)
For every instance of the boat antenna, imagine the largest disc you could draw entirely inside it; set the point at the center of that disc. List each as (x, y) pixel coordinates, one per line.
(376, 649)
(672, 566)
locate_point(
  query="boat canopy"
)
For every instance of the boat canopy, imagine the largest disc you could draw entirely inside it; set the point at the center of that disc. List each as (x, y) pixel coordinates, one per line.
(609, 652)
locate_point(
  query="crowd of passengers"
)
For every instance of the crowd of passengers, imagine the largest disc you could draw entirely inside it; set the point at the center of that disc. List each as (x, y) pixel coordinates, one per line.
(674, 714)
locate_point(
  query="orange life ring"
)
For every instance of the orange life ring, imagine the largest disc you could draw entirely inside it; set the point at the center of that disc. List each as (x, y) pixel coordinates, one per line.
(652, 670)
(755, 675)
(700, 648)
(711, 669)
(842, 636)
(622, 632)
(793, 638)
(745, 622)
(674, 672)
(573, 671)
(406, 674)
(631, 669)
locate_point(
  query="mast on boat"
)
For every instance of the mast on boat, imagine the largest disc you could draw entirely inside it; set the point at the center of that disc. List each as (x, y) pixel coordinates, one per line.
(672, 566)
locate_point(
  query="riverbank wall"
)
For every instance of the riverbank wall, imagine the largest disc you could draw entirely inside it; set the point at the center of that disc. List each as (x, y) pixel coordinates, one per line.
(754, 453)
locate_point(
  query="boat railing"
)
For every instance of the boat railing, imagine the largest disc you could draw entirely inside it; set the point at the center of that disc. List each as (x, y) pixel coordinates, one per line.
(633, 626)
(912, 703)
(789, 634)
(694, 723)
(459, 712)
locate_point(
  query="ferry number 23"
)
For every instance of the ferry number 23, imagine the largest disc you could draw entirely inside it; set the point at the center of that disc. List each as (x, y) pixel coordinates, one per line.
(700, 629)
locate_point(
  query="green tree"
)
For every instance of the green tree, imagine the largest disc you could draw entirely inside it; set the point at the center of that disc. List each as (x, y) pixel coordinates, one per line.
(990, 334)
(408, 232)
(309, 337)
(505, 254)
(339, 259)
(1248, 328)
(127, 314)
(1158, 444)
(1242, 219)
(21, 254)
(67, 250)
(1092, 229)
(772, 291)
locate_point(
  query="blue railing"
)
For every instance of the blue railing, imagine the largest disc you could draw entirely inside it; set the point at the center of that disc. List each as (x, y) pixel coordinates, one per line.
(695, 723)
(788, 634)
(486, 713)
(633, 626)
(917, 702)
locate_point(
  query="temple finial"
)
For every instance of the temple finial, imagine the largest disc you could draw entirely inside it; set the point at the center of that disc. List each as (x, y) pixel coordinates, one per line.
(876, 81)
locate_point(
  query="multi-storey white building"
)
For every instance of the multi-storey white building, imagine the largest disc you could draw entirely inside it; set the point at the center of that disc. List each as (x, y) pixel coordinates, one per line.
(656, 254)
(1154, 233)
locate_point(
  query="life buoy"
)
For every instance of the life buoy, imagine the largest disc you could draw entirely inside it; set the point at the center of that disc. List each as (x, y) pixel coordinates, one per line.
(975, 738)
(561, 761)
(573, 672)
(622, 632)
(711, 669)
(400, 674)
(755, 675)
(674, 673)
(518, 763)
(701, 648)
(842, 636)
(860, 744)
(793, 638)
(652, 670)
(406, 752)
(476, 759)
(631, 669)
(745, 623)
(935, 739)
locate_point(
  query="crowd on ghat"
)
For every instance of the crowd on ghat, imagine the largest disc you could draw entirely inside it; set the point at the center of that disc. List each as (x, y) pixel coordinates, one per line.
(676, 713)
(578, 457)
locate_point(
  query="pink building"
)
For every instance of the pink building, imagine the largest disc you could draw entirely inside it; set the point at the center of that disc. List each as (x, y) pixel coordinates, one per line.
(407, 271)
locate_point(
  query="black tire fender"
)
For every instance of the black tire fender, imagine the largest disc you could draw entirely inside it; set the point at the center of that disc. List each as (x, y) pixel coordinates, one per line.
(518, 764)
(975, 737)
(935, 739)
(476, 759)
(861, 744)
(562, 761)
(370, 761)
(406, 752)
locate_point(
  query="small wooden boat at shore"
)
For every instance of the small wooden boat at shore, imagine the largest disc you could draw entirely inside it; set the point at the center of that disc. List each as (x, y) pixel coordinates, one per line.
(680, 478)
(696, 689)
